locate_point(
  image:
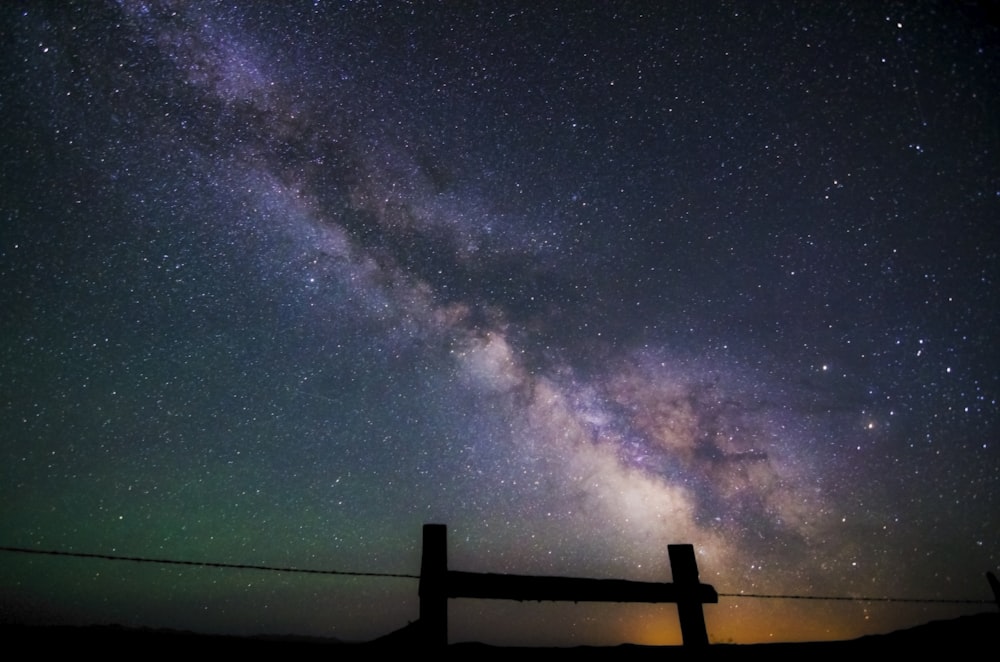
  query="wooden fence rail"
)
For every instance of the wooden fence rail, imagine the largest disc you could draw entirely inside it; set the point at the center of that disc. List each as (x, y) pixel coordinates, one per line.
(438, 585)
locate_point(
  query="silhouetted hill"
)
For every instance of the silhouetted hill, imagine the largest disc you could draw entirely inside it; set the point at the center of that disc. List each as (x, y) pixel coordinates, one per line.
(936, 638)
(118, 639)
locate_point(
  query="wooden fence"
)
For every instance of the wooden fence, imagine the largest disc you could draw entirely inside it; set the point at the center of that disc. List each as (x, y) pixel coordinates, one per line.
(438, 584)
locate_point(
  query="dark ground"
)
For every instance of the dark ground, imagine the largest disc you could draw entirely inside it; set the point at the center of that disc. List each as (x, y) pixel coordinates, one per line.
(978, 632)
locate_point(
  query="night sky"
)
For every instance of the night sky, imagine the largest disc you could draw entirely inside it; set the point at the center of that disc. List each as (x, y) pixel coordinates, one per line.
(281, 282)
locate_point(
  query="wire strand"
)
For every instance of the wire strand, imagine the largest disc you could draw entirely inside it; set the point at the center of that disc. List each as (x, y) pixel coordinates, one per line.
(399, 575)
(775, 596)
(206, 564)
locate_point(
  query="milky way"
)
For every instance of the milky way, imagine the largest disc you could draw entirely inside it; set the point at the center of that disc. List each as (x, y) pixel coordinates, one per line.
(283, 284)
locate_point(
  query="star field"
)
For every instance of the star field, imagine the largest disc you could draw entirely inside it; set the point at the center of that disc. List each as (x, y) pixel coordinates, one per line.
(283, 283)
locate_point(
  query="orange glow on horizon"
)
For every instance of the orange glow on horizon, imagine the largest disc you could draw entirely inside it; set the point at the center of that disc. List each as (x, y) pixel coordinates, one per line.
(756, 621)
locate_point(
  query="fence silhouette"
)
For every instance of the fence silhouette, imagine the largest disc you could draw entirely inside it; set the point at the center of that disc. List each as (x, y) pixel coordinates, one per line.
(438, 584)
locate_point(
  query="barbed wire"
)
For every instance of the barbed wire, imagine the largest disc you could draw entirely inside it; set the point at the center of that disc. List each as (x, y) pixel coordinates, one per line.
(843, 598)
(400, 575)
(206, 564)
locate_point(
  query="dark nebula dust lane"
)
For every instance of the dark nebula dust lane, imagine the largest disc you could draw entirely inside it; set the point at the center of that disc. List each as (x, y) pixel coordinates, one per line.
(282, 283)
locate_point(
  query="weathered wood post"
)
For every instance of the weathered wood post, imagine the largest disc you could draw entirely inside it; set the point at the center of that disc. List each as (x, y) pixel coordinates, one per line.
(995, 585)
(438, 584)
(684, 568)
(433, 589)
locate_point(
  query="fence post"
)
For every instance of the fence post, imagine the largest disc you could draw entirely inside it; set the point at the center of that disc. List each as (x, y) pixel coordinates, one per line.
(433, 586)
(684, 568)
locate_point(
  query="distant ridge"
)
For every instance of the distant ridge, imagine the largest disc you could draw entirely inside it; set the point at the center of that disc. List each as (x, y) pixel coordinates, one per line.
(965, 630)
(936, 637)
